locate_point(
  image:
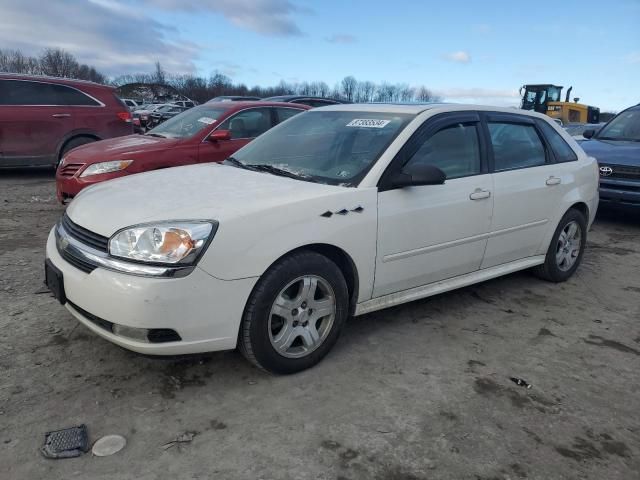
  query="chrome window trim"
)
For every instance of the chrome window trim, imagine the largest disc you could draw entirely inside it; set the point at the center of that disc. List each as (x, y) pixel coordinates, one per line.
(67, 244)
(100, 104)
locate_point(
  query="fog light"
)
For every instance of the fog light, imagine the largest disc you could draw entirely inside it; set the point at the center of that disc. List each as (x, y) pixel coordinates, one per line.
(133, 333)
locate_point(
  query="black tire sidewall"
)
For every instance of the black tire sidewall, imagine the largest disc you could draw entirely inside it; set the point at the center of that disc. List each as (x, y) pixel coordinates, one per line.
(256, 316)
(551, 264)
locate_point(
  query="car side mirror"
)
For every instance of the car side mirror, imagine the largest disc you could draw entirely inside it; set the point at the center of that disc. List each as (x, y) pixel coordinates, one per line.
(589, 133)
(219, 135)
(416, 175)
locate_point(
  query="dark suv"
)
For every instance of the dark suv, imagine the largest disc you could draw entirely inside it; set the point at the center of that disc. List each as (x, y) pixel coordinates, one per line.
(616, 146)
(42, 118)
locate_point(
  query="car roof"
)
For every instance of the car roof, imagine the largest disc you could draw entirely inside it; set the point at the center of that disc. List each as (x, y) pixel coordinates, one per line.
(288, 98)
(417, 108)
(252, 103)
(46, 78)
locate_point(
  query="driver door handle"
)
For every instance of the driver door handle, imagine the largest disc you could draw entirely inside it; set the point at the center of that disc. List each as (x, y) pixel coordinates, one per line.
(61, 115)
(479, 194)
(553, 181)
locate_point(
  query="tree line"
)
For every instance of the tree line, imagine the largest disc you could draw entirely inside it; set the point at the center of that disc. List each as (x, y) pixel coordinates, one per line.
(59, 63)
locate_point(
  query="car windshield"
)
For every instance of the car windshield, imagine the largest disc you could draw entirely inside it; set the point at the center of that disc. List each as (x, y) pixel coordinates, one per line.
(579, 129)
(333, 147)
(189, 122)
(625, 126)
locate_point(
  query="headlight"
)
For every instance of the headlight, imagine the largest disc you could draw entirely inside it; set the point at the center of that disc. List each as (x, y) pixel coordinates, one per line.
(169, 243)
(106, 167)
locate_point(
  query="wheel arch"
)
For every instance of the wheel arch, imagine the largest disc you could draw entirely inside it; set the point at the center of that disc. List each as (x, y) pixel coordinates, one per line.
(344, 262)
(74, 136)
(582, 207)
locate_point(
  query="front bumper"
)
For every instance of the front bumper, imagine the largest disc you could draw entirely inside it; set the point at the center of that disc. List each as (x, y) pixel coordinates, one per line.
(69, 183)
(620, 192)
(202, 309)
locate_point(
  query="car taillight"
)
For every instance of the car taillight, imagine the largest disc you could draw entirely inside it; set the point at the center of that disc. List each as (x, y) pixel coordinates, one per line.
(125, 116)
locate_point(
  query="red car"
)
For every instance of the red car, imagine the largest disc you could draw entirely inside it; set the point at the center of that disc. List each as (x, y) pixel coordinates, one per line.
(207, 133)
(42, 118)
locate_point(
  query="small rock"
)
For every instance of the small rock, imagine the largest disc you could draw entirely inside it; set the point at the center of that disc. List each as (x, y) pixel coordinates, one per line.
(108, 445)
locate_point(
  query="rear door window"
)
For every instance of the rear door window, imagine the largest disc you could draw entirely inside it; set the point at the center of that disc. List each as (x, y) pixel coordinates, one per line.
(561, 149)
(516, 146)
(72, 97)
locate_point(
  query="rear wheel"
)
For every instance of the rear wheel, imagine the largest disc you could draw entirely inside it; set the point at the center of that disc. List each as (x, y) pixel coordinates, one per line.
(566, 248)
(295, 314)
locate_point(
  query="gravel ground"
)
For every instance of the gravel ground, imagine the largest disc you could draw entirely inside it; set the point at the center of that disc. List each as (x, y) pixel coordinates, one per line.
(420, 391)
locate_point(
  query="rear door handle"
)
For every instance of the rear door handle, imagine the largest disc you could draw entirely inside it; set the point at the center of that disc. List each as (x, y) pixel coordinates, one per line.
(479, 194)
(61, 115)
(553, 181)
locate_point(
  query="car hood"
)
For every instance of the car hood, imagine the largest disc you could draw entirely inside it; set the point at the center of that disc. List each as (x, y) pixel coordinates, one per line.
(615, 152)
(119, 148)
(196, 192)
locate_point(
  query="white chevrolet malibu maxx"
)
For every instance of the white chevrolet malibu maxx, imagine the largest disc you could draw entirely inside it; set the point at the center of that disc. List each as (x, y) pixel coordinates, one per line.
(338, 211)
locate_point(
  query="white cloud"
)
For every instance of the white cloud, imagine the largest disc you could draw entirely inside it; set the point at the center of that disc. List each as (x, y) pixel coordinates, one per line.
(99, 32)
(267, 17)
(633, 57)
(501, 97)
(341, 38)
(458, 57)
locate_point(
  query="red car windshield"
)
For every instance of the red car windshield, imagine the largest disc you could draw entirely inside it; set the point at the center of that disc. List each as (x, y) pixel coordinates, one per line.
(188, 123)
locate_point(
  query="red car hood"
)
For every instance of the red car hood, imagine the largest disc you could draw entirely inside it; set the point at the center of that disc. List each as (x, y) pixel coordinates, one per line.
(119, 148)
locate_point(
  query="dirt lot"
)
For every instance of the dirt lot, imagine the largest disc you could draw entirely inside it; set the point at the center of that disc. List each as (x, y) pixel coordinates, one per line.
(420, 391)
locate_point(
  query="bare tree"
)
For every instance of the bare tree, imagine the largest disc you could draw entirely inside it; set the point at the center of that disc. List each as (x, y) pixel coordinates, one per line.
(159, 75)
(58, 63)
(348, 88)
(423, 94)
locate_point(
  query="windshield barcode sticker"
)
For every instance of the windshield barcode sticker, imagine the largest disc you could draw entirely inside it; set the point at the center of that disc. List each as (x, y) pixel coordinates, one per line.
(368, 123)
(207, 120)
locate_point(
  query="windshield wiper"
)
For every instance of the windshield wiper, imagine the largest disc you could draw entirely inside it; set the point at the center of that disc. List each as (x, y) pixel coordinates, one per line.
(236, 163)
(155, 135)
(277, 171)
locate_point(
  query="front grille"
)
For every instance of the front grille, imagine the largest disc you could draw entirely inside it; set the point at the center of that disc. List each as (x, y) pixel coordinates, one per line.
(623, 171)
(622, 188)
(85, 236)
(80, 264)
(70, 169)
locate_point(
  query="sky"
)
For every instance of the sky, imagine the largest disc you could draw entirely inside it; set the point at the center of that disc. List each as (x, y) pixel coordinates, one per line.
(465, 51)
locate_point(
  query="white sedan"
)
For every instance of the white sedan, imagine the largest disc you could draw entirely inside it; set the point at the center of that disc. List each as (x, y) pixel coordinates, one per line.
(338, 211)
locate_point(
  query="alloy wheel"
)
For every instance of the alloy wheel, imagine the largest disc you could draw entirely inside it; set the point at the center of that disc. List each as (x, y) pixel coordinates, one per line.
(301, 316)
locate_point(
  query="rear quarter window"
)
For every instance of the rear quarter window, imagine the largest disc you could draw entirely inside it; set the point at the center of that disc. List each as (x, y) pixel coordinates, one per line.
(561, 149)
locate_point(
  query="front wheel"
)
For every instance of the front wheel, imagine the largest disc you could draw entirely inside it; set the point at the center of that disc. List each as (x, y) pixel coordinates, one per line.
(295, 313)
(566, 249)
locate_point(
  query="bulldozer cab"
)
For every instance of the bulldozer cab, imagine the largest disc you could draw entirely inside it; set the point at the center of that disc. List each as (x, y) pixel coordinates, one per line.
(537, 97)
(545, 99)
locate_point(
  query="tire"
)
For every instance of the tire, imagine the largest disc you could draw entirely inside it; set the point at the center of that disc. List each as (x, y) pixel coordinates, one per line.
(71, 144)
(301, 287)
(562, 259)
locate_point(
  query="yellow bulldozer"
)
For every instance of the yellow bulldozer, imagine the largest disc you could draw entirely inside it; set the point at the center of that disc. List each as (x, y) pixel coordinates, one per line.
(546, 98)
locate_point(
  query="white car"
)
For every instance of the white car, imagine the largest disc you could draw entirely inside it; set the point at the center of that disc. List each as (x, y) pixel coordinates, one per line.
(338, 211)
(131, 104)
